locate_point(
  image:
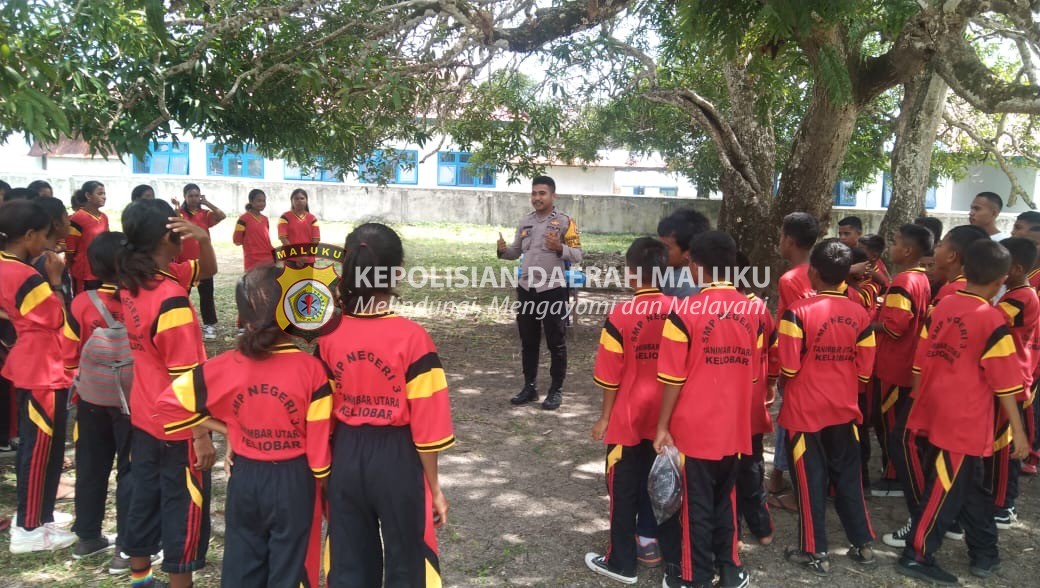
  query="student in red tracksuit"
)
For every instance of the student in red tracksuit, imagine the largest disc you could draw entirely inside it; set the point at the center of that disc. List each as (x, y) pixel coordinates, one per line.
(965, 358)
(393, 419)
(298, 225)
(36, 369)
(899, 321)
(273, 402)
(87, 222)
(874, 245)
(864, 291)
(906, 461)
(102, 426)
(253, 233)
(193, 211)
(752, 497)
(626, 370)
(826, 350)
(170, 473)
(798, 234)
(1028, 225)
(708, 363)
(1021, 310)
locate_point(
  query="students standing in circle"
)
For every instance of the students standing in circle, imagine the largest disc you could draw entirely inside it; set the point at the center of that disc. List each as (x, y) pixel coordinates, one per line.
(393, 418)
(87, 222)
(192, 210)
(253, 232)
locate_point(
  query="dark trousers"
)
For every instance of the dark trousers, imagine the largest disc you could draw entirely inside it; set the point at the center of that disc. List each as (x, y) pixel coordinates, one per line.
(1001, 472)
(41, 426)
(169, 507)
(207, 306)
(867, 399)
(907, 457)
(646, 523)
(751, 491)
(895, 401)
(269, 511)
(821, 460)
(628, 468)
(543, 311)
(103, 435)
(6, 403)
(703, 534)
(954, 493)
(380, 511)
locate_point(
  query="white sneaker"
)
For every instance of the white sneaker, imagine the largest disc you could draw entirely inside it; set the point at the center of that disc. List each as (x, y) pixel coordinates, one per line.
(62, 520)
(40, 539)
(209, 332)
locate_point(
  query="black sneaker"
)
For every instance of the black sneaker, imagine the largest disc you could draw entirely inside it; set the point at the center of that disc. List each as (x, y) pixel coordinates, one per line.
(671, 579)
(984, 570)
(887, 488)
(89, 547)
(732, 577)
(553, 399)
(120, 563)
(933, 573)
(816, 563)
(1004, 517)
(528, 394)
(598, 564)
(898, 537)
(863, 555)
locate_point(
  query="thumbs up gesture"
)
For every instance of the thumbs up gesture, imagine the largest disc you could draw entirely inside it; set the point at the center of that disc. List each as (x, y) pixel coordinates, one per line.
(501, 243)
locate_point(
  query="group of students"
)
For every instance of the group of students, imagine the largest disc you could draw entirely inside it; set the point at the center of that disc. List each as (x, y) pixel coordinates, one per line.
(369, 410)
(941, 359)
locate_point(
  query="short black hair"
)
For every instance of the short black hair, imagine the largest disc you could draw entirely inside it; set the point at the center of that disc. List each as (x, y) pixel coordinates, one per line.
(802, 227)
(1022, 250)
(994, 198)
(101, 254)
(20, 194)
(961, 236)
(859, 255)
(932, 224)
(35, 186)
(831, 259)
(648, 256)
(852, 221)
(873, 243)
(713, 251)
(1031, 217)
(4, 187)
(985, 261)
(918, 237)
(683, 225)
(544, 180)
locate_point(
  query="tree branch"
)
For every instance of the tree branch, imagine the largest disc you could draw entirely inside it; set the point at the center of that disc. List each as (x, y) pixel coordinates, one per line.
(991, 147)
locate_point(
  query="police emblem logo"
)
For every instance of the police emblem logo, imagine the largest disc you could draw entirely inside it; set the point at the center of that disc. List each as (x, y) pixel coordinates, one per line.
(308, 291)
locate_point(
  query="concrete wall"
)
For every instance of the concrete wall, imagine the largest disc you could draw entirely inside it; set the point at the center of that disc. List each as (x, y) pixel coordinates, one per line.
(991, 179)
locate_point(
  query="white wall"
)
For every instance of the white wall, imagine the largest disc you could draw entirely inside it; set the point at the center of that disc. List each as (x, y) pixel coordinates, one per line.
(992, 179)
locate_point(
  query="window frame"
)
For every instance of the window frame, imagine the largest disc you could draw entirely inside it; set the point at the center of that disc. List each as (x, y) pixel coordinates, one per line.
(402, 159)
(178, 151)
(246, 154)
(457, 166)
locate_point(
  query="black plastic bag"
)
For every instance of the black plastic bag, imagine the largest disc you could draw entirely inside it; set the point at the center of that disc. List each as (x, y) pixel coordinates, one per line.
(665, 484)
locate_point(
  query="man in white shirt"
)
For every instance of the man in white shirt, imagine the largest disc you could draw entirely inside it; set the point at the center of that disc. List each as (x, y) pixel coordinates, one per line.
(985, 209)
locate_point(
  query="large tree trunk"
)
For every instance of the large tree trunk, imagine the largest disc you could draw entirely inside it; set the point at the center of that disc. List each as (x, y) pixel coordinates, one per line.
(924, 100)
(807, 182)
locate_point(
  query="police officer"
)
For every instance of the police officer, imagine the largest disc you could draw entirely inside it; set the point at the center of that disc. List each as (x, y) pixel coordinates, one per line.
(548, 240)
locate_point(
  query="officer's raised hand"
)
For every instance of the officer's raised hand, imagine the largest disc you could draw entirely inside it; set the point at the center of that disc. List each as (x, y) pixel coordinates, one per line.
(501, 243)
(552, 241)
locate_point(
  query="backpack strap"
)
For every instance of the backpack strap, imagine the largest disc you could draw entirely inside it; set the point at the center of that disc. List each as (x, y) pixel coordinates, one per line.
(110, 321)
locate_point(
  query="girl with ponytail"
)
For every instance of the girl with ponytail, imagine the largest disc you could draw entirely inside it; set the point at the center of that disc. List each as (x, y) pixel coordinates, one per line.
(170, 473)
(87, 222)
(392, 419)
(282, 478)
(36, 368)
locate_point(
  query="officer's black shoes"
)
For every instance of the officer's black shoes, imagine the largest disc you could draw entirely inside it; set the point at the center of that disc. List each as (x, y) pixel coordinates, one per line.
(554, 398)
(928, 573)
(528, 394)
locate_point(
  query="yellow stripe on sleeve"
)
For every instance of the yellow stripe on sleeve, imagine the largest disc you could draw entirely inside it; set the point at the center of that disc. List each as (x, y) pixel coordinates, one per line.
(320, 409)
(173, 318)
(790, 329)
(609, 342)
(899, 301)
(674, 333)
(1004, 347)
(426, 384)
(34, 298)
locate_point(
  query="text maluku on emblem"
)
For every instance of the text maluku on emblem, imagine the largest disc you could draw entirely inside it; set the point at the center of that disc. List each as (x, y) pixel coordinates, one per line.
(308, 300)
